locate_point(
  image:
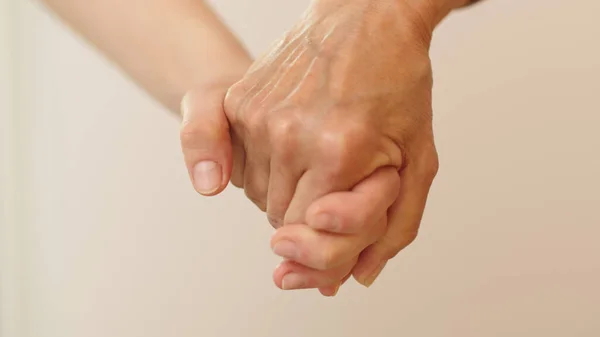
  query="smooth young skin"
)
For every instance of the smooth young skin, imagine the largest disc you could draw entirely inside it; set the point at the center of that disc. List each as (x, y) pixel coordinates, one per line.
(167, 46)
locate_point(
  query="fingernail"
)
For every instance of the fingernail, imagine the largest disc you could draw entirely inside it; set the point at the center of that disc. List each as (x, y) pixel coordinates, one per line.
(293, 281)
(207, 177)
(326, 221)
(370, 278)
(285, 249)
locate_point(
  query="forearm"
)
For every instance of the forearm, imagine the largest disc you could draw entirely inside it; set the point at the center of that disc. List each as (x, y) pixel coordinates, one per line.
(166, 46)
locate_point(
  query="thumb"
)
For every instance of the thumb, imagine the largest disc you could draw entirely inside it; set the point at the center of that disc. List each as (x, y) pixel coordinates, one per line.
(205, 140)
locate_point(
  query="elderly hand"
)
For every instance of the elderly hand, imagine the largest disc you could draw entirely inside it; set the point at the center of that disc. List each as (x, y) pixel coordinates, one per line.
(343, 98)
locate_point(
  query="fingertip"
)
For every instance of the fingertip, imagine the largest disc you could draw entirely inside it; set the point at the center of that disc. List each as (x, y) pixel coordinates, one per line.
(275, 237)
(367, 279)
(330, 291)
(287, 232)
(290, 276)
(368, 267)
(278, 275)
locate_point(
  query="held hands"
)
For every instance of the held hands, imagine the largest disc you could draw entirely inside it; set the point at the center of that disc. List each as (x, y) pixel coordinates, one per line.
(330, 134)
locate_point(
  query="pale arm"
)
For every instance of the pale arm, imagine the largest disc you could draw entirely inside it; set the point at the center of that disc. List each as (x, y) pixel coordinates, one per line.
(166, 46)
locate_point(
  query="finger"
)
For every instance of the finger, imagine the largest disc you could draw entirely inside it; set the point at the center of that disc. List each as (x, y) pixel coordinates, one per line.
(282, 184)
(256, 176)
(352, 211)
(290, 275)
(310, 187)
(287, 167)
(404, 220)
(322, 250)
(331, 291)
(205, 141)
(341, 157)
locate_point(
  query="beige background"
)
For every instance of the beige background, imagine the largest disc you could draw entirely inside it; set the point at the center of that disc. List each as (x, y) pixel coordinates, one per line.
(111, 240)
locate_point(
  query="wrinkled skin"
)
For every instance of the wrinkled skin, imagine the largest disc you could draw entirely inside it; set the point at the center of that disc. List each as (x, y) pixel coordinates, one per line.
(344, 93)
(332, 137)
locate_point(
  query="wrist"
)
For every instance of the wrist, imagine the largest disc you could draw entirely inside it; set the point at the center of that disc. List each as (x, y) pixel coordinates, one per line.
(417, 18)
(434, 11)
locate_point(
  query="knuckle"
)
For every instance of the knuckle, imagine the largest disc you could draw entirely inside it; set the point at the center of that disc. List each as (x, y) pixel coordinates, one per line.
(332, 254)
(282, 126)
(328, 258)
(282, 132)
(409, 239)
(191, 134)
(430, 166)
(254, 121)
(234, 97)
(252, 118)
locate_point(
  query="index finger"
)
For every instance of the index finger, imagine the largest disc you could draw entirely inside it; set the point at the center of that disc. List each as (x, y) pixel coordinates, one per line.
(351, 212)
